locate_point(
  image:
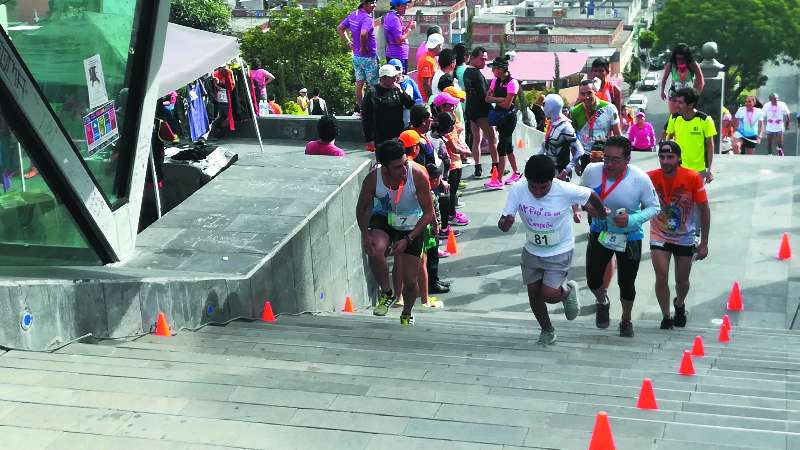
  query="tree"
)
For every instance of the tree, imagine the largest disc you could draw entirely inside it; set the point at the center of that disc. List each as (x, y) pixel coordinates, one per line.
(303, 49)
(557, 75)
(633, 74)
(209, 15)
(749, 33)
(646, 39)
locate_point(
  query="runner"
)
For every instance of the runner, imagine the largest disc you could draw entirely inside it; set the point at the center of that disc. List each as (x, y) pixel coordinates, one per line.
(595, 119)
(683, 71)
(682, 195)
(560, 143)
(749, 124)
(400, 192)
(777, 116)
(606, 91)
(544, 204)
(628, 195)
(694, 132)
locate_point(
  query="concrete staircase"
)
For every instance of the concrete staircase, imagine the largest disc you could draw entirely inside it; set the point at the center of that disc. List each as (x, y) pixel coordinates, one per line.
(454, 381)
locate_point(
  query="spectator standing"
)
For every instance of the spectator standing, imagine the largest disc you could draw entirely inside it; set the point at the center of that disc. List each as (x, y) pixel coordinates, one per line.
(396, 31)
(538, 112)
(317, 105)
(409, 86)
(641, 134)
(683, 71)
(274, 107)
(382, 111)
(302, 100)
(476, 110)
(327, 130)
(503, 91)
(427, 66)
(447, 66)
(261, 78)
(422, 49)
(360, 23)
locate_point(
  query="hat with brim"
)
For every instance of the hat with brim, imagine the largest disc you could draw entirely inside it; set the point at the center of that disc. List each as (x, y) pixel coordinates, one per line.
(303, 90)
(388, 70)
(500, 63)
(434, 41)
(396, 3)
(456, 92)
(409, 138)
(444, 97)
(396, 63)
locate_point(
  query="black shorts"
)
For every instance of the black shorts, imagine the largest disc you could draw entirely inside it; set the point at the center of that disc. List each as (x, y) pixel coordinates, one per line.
(675, 249)
(379, 222)
(749, 144)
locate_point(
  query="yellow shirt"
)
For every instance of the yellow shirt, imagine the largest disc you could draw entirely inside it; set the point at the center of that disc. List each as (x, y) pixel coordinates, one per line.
(691, 137)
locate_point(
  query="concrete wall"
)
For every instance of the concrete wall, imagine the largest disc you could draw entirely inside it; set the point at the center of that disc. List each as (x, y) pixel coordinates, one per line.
(303, 128)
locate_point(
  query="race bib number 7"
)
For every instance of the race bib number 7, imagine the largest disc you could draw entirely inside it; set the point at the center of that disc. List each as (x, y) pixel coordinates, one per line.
(543, 238)
(403, 221)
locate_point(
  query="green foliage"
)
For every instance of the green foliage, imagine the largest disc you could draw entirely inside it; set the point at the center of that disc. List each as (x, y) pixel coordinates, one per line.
(532, 95)
(557, 75)
(647, 39)
(633, 74)
(748, 32)
(292, 108)
(209, 15)
(303, 49)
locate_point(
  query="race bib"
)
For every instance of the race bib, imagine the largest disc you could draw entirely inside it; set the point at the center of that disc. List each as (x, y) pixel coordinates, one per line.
(404, 222)
(613, 241)
(543, 238)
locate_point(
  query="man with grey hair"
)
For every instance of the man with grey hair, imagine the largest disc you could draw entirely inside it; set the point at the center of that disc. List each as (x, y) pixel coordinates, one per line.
(777, 119)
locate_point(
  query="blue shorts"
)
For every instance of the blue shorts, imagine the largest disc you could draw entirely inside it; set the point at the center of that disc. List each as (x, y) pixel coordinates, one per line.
(366, 68)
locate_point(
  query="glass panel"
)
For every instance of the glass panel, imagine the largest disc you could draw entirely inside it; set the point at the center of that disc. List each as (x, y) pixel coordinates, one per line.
(78, 52)
(35, 227)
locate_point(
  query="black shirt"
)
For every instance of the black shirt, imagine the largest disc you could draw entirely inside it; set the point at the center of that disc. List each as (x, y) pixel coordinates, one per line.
(382, 113)
(475, 86)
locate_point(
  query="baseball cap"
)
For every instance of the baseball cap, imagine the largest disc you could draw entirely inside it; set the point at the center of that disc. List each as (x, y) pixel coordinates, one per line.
(669, 147)
(396, 63)
(303, 90)
(434, 40)
(388, 70)
(640, 114)
(409, 138)
(399, 2)
(444, 97)
(456, 92)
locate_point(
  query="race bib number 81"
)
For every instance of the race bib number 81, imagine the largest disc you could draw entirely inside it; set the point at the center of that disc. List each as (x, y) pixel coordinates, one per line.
(543, 238)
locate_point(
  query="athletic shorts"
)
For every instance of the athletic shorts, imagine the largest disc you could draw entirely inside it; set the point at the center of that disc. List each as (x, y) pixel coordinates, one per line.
(675, 249)
(550, 270)
(775, 133)
(745, 142)
(379, 222)
(366, 68)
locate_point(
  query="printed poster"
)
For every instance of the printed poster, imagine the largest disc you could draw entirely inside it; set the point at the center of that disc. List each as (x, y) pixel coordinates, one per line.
(95, 81)
(100, 128)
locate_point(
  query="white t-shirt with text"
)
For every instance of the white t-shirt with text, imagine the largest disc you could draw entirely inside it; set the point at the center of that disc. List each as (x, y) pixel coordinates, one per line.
(774, 115)
(548, 220)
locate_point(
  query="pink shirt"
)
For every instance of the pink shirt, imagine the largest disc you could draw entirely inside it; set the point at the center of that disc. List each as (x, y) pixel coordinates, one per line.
(421, 50)
(642, 138)
(329, 149)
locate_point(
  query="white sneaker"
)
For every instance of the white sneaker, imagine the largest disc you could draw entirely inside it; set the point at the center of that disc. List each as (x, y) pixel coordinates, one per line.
(547, 337)
(572, 305)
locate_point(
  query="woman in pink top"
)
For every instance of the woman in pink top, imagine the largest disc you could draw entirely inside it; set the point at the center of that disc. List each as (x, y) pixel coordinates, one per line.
(261, 78)
(327, 129)
(641, 134)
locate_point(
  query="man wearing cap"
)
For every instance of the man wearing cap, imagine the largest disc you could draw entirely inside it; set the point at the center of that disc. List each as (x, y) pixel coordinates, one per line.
(382, 110)
(427, 66)
(682, 195)
(302, 100)
(365, 48)
(777, 118)
(396, 31)
(409, 86)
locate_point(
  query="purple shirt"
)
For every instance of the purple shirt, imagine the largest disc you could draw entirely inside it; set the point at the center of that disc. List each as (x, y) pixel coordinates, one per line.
(317, 148)
(358, 21)
(393, 29)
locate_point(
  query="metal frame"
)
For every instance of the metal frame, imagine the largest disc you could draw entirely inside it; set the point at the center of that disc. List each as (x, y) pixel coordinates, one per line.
(111, 233)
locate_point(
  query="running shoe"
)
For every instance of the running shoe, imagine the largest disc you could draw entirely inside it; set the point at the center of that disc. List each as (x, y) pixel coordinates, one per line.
(680, 314)
(459, 221)
(547, 337)
(478, 171)
(468, 161)
(601, 316)
(443, 234)
(384, 303)
(626, 328)
(493, 185)
(780, 151)
(572, 305)
(462, 185)
(666, 324)
(444, 283)
(433, 302)
(513, 179)
(443, 253)
(406, 321)
(436, 288)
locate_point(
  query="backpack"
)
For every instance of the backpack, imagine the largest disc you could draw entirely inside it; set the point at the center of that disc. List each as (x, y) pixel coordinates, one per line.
(317, 109)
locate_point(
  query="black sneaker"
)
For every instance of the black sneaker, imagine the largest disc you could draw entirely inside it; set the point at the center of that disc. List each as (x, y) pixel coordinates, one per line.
(626, 329)
(680, 314)
(666, 324)
(478, 171)
(444, 283)
(601, 315)
(438, 288)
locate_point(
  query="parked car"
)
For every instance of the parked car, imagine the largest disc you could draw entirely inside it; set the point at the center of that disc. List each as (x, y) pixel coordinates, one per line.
(637, 102)
(657, 62)
(650, 82)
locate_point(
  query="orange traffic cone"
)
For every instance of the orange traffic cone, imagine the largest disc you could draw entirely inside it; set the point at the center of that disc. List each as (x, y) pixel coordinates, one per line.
(697, 348)
(724, 336)
(267, 315)
(647, 398)
(785, 251)
(687, 368)
(495, 175)
(348, 305)
(520, 143)
(451, 247)
(726, 321)
(602, 439)
(162, 327)
(735, 299)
